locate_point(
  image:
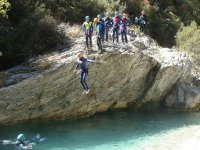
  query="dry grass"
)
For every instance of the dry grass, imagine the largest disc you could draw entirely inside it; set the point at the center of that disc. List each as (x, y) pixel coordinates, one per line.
(70, 31)
(134, 29)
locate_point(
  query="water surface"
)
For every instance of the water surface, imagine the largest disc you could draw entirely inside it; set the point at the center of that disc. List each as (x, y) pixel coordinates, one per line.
(113, 130)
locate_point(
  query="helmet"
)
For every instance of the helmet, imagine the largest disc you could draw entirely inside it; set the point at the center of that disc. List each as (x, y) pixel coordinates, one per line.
(87, 18)
(95, 20)
(116, 13)
(142, 12)
(107, 14)
(124, 15)
(99, 16)
(20, 137)
(80, 54)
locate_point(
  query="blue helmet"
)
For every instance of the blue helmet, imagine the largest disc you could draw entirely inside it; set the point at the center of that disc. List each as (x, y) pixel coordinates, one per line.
(20, 137)
(87, 18)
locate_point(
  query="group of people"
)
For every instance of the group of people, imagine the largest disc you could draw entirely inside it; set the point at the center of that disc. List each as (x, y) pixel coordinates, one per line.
(102, 26)
(22, 144)
(117, 25)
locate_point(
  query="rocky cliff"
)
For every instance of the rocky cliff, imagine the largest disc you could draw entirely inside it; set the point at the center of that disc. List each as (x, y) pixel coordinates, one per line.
(140, 75)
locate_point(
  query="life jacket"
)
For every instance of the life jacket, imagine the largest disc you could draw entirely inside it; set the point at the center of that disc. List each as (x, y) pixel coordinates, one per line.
(136, 20)
(124, 23)
(107, 21)
(87, 28)
(87, 25)
(101, 27)
(142, 19)
(116, 22)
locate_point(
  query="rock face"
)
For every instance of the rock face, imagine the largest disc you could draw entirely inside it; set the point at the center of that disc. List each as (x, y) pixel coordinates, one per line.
(118, 80)
(184, 96)
(140, 75)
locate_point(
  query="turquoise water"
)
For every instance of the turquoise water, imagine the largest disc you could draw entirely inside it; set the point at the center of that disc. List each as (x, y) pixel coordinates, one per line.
(110, 131)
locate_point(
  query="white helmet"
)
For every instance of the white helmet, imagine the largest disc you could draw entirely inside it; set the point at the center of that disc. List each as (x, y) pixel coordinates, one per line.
(87, 18)
(107, 14)
(116, 13)
(99, 16)
(21, 137)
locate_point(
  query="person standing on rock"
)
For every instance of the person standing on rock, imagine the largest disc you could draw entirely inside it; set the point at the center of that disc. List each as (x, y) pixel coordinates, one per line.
(143, 20)
(82, 68)
(115, 27)
(123, 28)
(107, 22)
(100, 31)
(88, 30)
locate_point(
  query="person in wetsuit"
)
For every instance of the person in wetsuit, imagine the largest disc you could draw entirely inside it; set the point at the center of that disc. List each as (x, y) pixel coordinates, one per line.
(82, 68)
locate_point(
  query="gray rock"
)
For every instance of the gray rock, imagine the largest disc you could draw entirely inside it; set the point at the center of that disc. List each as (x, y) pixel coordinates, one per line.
(139, 74)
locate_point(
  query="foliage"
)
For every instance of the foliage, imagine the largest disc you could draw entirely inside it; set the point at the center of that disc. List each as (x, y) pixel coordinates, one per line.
(188, 39)
(73, 10)
(114, 5)
(4, 7)
(31, 26)
(28, 34)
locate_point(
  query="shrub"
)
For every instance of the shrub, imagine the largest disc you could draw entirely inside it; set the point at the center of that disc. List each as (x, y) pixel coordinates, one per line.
(188, 39)
(33, 34)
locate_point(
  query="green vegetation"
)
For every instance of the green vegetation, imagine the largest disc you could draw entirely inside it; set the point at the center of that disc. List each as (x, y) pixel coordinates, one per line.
(188, 39)
(4, 7)
(29, 28)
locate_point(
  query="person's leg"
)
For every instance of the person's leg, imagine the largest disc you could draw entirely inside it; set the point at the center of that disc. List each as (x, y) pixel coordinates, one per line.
(122, 36)
(117, 35)
(82, 81)
(98, 43)
(107, 29)
(86, 41)
(141, 29)
(90, 38)
(144, 28)
(113, 36)
(102, 39)
(125, 34)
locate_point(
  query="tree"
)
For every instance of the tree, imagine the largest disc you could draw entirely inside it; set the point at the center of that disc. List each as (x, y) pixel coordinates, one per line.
(4, 7)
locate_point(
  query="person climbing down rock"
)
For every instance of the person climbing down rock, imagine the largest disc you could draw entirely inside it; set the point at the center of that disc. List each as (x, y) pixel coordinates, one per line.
(115, 27)
(88, 30)
(123, 28)
(100, 31)
(82, 68)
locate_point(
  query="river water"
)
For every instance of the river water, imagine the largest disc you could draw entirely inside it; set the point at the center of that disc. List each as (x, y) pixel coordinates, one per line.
(121, 130)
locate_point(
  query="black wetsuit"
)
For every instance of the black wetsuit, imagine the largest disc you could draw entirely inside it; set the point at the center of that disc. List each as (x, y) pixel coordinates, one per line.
(82, 64)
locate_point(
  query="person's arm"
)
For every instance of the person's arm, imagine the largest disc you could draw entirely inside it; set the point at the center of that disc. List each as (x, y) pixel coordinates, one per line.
(77, 66)
(98, 30)
(146, 19)
(91, 28)
(83, 27)
(90, 60)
